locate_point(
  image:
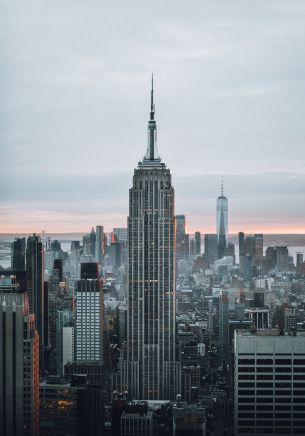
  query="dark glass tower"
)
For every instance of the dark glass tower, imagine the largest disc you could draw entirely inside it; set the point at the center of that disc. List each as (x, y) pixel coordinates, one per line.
(35, 286)
(149, 369)
(18, 254)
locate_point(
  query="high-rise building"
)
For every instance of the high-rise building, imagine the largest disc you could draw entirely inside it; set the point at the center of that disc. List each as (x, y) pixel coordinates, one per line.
(269, 383)
(299, 262)
(281, 259)
(18, 254)
(120, 234)
(99, 244)
(198, 242)
(89, 244)
(251, 254)
(210, 247)
(89, 270)
(150, 370)
(224, 326)
(64, 340)
(35, 287)
(180, 237)
(222, 223)
(19, 365)
(89, 328)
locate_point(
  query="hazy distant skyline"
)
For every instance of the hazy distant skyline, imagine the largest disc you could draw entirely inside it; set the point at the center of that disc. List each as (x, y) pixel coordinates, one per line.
(74, 105)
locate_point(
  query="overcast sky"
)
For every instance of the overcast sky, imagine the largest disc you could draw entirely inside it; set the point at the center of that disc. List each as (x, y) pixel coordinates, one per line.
(74, 105)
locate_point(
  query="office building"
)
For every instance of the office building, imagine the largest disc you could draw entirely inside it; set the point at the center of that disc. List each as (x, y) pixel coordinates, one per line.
(150, 370)
(259, 317)
(269, 383)
(64, 339)
(137, 420)
(224, 326)
(251, 254)
(89, 320)
(188, 419)
(120, 234)
(18, 254)
(222, 223)
(210, 247)
(89, 270)
(181, 240)
(19, 365)
(197, 243)
(35, 287)
(281, 259)
(99, 244)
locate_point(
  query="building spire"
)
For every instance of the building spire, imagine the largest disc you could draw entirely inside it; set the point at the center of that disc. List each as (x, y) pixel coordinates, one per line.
(152, 106)
(222, 187)
(152, 153)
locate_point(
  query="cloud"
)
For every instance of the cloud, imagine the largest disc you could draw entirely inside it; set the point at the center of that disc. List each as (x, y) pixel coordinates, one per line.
(74, 103)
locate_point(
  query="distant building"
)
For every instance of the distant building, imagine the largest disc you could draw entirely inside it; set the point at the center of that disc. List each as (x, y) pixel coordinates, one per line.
(89, 270)
(197, 243)
(120, 234)
(180, 237)
(99, 244)
(300, 263)
(18, 254)
(281, 259)
(224, 327)
(210, 247)
(222, 223)
(259, 317)
(64, 340)
(89, 320)
(251, 254)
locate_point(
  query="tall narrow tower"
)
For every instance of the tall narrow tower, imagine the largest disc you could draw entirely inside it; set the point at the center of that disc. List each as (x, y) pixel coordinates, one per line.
(222, 223)
(149, 370)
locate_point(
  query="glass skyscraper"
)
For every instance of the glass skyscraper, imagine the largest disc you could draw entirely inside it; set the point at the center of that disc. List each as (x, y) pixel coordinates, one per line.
(222, 223)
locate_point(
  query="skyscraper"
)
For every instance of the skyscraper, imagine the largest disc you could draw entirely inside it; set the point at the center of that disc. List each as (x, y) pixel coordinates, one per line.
(198, 242)
(150, 370)
(89, 317)
(35, 285)
(18, 254)
(222, 223)
(210, 247)
(99, 244)
(180, 237)
(19, 364)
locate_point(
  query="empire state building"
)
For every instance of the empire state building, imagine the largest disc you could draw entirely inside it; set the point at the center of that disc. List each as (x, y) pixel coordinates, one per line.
(149, 369)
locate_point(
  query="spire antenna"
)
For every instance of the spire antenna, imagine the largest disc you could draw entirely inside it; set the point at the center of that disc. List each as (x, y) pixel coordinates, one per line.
(152, 106)
(222, 186)
(152, 153)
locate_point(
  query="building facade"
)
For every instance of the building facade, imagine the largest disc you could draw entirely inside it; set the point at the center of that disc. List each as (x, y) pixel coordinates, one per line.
(89, 320)
(269, 383)
(35, 286)
(19, 367)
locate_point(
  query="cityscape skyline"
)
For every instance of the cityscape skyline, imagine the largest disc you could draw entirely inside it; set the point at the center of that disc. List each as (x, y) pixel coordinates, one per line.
(235, 115)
